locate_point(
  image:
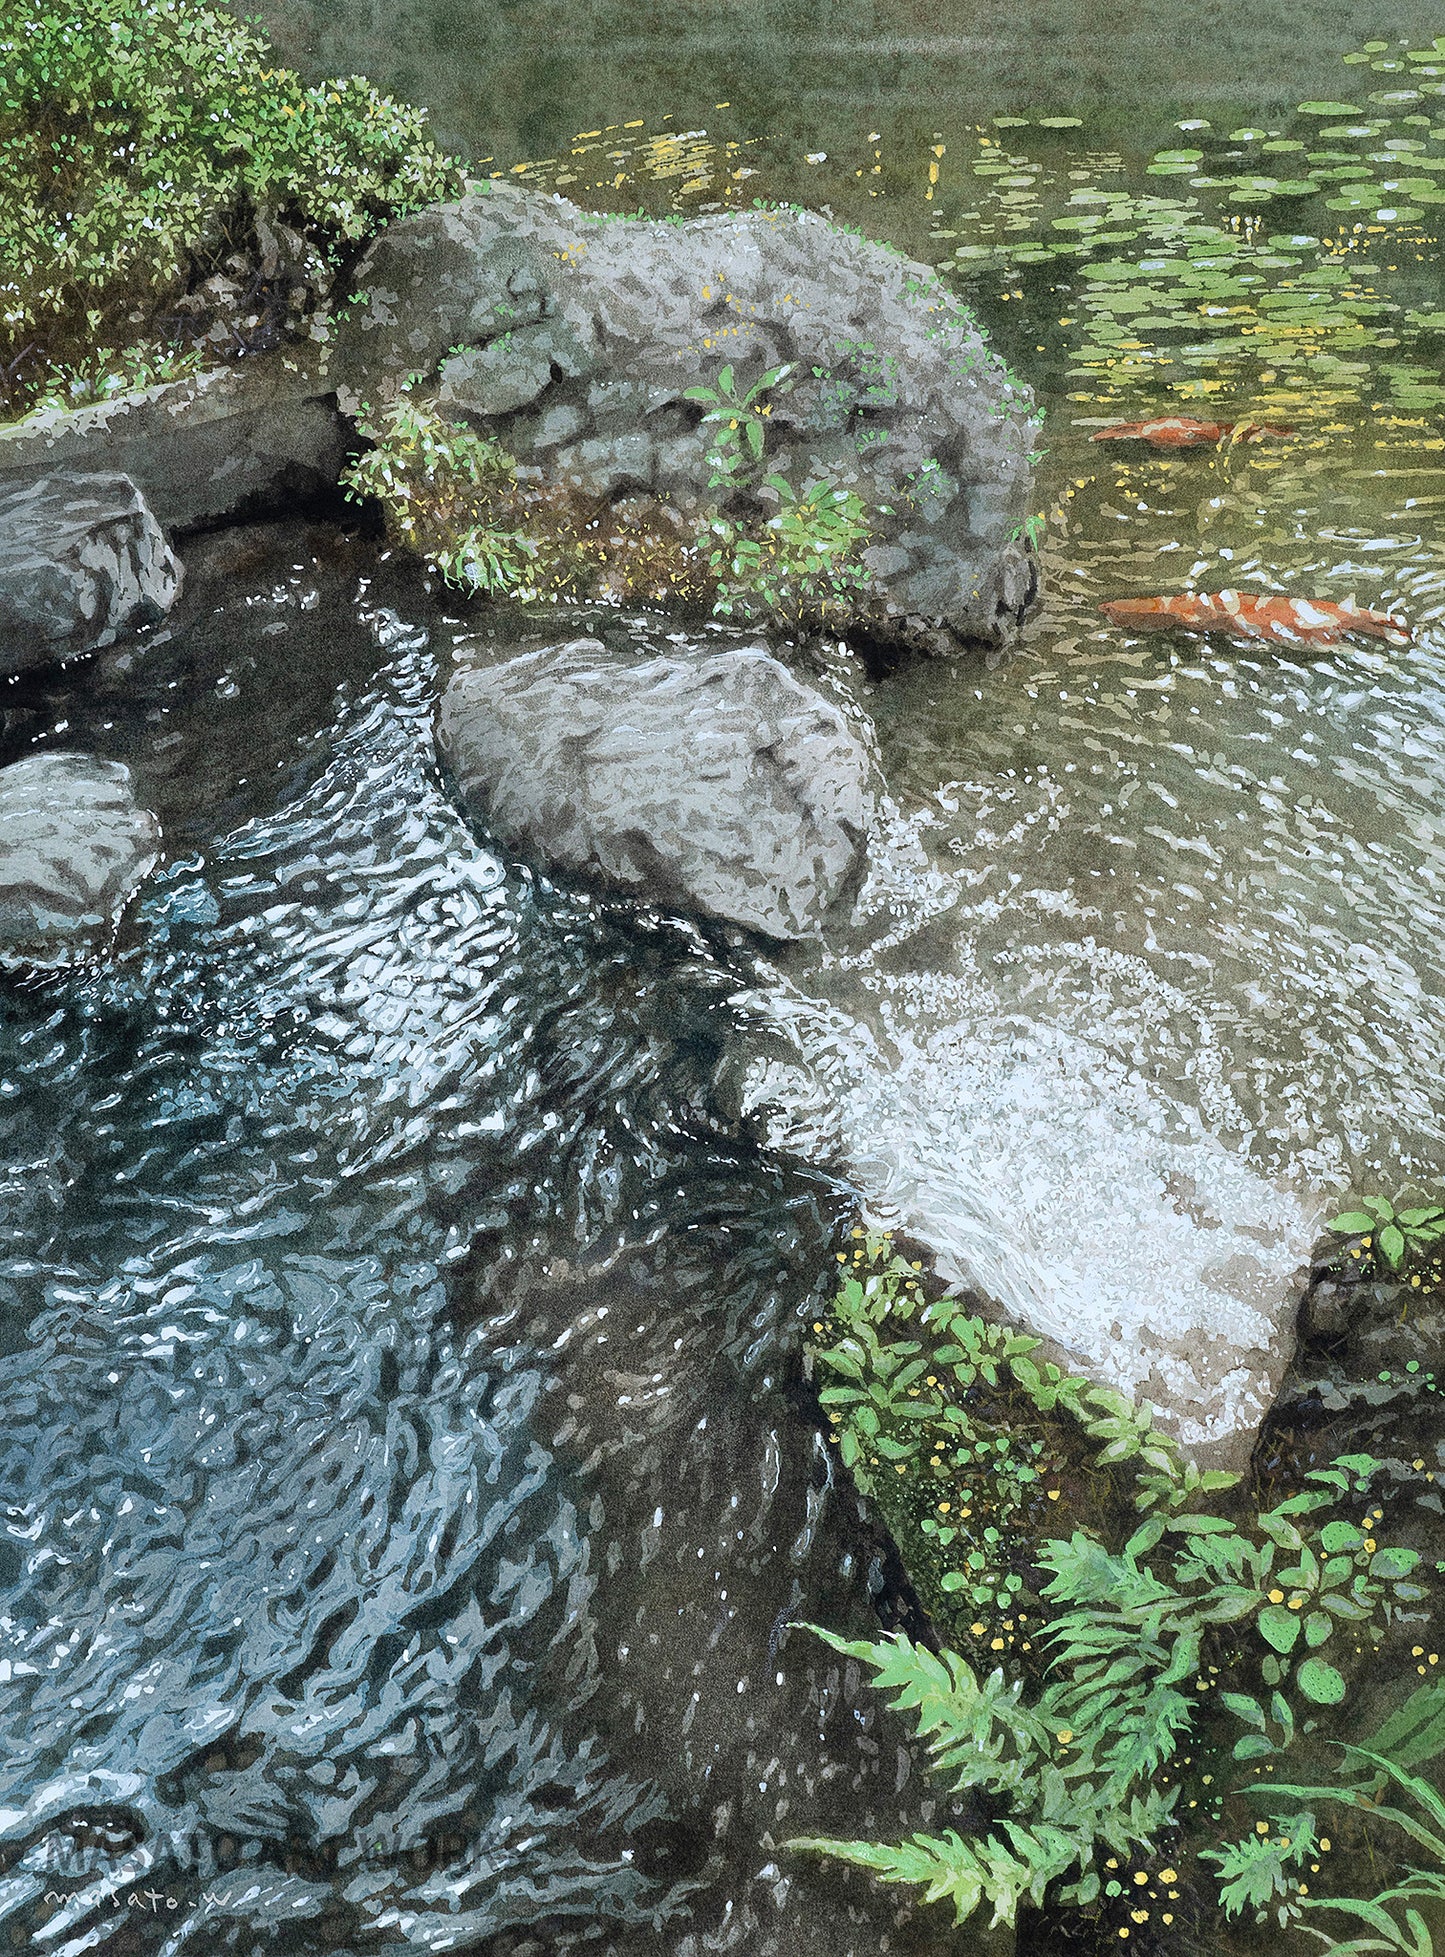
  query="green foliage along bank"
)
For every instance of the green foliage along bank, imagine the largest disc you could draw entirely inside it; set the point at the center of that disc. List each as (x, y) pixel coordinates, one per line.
(141, 143)
(1166, 1683)
(763, 550)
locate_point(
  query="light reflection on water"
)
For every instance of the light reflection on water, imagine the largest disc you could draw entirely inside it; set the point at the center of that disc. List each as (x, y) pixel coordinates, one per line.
(1181, 984)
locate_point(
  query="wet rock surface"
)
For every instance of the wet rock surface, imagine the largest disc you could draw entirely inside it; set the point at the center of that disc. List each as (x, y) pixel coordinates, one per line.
(82, 559)
(576, 338)
(708, 779)
(74, 846)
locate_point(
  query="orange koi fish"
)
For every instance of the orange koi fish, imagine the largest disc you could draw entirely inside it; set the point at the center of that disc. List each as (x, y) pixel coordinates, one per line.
(1183, 431)
(1248, 615)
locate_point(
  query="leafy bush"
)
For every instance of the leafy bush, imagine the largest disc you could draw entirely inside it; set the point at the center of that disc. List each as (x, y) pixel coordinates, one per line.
(1192, 1607)
(141, 140)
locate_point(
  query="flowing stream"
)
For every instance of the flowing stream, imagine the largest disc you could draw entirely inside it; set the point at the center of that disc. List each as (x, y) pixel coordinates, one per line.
(408, 1475)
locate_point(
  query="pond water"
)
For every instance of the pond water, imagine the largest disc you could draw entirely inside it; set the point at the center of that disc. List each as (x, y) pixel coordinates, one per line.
(1159, 953)
(340, 1205)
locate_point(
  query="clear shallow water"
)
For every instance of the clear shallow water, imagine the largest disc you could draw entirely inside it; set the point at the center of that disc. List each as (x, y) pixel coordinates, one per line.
(1156, 970)
(406, 1487)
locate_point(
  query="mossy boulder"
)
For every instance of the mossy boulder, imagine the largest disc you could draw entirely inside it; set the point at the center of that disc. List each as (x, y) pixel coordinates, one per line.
(575, 339)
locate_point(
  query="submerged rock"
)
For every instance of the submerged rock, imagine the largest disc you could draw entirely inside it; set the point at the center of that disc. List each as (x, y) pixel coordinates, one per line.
(82, 559)
(709, 781)
(577, 337)
(74, 844)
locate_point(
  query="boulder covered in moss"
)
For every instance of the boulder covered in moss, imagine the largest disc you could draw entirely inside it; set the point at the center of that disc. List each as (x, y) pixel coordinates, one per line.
(708, 780)
(82, 559)
(576, 340)
(74, 846)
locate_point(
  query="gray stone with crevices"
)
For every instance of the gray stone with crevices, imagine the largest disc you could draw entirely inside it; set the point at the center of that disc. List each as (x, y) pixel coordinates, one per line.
(82, 559)
(707, 781)
(74, 846)
(530, 316)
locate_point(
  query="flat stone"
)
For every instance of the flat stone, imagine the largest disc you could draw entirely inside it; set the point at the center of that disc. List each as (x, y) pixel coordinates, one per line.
(247, 435)
(74, 846)
(707, 781)
(82, 559)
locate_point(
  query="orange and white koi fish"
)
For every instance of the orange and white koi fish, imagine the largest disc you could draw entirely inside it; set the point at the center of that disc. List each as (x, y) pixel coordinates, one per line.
(1248, 615)
(1183, 431)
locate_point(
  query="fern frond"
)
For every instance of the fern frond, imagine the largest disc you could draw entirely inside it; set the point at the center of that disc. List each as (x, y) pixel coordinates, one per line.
(944, 1867)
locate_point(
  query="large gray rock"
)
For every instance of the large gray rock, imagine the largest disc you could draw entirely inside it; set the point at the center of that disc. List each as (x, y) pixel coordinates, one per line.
(708, 781)
(576, 337)
(82, 559)
(74, 844)
(253, 434)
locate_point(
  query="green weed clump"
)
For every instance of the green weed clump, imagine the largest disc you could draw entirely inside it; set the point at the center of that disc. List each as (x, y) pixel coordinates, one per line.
(456, 498)
(141, 141)
(1152, 1671)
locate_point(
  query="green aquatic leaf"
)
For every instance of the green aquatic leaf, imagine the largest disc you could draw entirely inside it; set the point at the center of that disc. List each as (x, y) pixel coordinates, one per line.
(1279, 1627)
(1320, 1682)
(1327, 109)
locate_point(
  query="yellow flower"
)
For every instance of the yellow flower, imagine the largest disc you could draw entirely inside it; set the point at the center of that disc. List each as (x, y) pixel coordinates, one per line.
(1261, 1827)
(1276, 1596)
(1169, 1875)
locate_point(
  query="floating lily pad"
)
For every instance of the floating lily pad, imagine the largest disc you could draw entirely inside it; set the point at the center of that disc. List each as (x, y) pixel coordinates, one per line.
(1327, 109)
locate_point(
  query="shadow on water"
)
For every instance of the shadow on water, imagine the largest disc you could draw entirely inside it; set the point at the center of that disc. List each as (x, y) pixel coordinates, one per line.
(408, 1477)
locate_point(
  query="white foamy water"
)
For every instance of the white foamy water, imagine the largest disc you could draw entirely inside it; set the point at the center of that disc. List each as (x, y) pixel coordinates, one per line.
(1042, 1171)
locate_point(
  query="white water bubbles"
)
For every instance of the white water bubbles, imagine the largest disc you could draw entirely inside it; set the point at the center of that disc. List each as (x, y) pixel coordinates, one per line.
(1041, 1168)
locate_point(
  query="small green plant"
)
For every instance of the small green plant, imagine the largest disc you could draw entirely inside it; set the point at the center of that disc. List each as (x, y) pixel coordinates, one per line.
(448, 492)
(802, 565)
(738, 420)
(1413, 1734)
(1140, 1638)
(1391, 1237)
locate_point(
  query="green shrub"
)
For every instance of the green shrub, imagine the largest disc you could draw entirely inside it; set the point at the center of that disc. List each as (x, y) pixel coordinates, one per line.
(139, 142)
(1155, 1643)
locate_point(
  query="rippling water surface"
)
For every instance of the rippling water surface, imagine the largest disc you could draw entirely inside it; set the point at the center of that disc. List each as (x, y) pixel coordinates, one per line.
(406, 1500)
(407, 1473)
(1154, 964)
